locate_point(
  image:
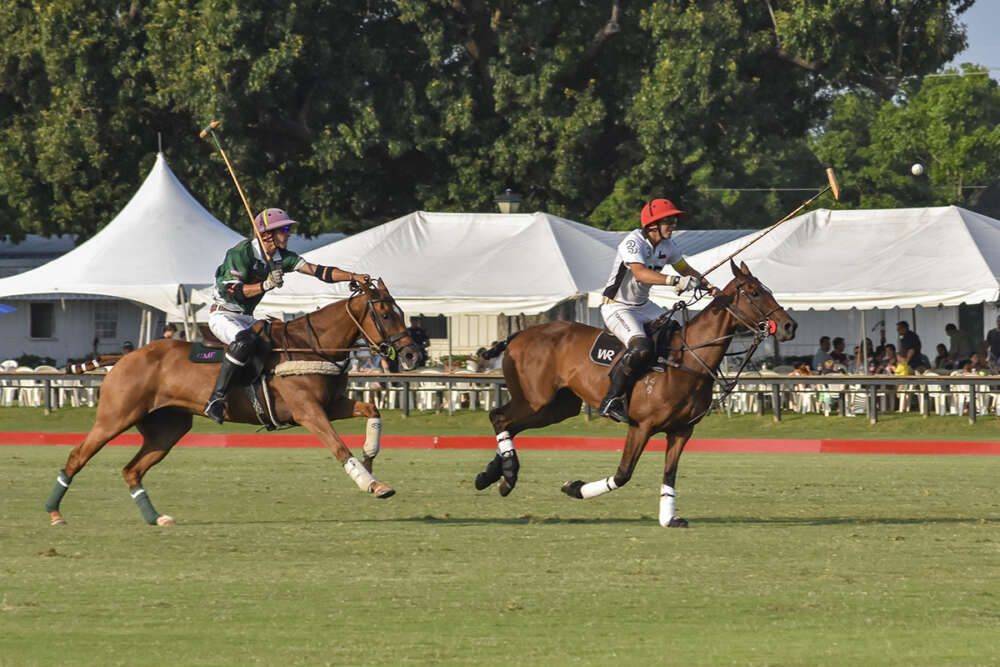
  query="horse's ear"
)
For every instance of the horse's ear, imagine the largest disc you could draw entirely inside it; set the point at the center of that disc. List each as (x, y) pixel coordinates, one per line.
(745, 268)
(732, 265)
(381, 285)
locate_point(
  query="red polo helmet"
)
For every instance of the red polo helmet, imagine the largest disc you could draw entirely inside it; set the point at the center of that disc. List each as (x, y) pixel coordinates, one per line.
(657, 210)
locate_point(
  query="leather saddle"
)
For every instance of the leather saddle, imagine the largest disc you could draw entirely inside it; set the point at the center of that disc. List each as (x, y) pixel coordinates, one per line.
(607, 347)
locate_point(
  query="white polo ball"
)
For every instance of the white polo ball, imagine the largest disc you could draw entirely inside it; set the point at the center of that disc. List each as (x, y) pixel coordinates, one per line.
(917, 169)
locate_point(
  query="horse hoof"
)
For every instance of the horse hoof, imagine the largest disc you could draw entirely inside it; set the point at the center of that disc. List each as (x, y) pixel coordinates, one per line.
(380, 490)
(57, 519)
(572, 489)
(165, 520)
(676, 522)
(505, 487)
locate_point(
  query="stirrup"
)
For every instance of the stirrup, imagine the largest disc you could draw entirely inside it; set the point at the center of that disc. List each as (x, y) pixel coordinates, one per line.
(614, 408)
(216, 410)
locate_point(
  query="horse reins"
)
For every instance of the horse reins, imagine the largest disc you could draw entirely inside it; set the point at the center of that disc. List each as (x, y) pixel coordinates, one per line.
(386, 347)
(761, 331)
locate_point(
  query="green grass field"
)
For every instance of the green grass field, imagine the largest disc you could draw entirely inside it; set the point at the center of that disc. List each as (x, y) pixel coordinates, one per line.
(891, 426)
(791, 559)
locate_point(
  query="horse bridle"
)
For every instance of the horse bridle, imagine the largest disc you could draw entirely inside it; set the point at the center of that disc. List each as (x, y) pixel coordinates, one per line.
(761, 329)
(387, 346)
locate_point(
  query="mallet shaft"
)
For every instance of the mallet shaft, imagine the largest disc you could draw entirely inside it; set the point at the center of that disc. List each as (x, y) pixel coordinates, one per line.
(210, 130)
(831, 178)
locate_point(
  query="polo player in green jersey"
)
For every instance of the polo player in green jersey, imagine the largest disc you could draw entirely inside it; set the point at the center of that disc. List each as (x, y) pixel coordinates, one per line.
(241, 282)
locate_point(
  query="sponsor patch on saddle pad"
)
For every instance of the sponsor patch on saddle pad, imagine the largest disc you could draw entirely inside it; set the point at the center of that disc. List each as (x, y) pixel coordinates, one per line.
(604, 349)
(206, 355)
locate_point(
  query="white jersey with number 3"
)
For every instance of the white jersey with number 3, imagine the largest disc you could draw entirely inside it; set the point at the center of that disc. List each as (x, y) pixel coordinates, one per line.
(636, 248)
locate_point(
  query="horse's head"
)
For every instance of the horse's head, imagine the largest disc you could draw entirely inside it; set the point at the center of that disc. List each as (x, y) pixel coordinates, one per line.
(754, 307)
(383, 324)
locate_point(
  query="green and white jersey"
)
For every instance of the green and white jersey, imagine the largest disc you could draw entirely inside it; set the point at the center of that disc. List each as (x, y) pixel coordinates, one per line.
(244, 264)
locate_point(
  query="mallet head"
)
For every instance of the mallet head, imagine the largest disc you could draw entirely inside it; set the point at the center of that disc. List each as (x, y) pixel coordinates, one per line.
(831, 177)
(208, 128)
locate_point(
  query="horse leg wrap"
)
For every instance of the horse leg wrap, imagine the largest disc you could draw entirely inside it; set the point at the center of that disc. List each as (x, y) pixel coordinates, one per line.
(373, 437)
(667, 500)
(141, 499)
(600, 487)
(357, 472)
(58, 491)
(504, 443)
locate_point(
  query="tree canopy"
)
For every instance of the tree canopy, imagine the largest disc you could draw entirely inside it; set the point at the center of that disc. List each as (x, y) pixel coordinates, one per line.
(949, 124)
(350, 113)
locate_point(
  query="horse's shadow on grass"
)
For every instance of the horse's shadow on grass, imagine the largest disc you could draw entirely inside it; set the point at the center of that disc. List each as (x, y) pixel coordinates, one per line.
(642, 520)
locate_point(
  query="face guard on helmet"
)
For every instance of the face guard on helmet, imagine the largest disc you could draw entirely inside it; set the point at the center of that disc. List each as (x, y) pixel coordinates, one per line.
(272, 218)
(658, 209)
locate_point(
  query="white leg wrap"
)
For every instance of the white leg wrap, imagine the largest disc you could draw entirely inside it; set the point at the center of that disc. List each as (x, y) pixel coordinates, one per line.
(600, 487)
(373, 437)
(504, 443)
(361, 477)
(667, 499)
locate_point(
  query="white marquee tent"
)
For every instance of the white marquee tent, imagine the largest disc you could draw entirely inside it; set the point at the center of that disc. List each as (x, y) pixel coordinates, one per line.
(462, 263)
(161, 240)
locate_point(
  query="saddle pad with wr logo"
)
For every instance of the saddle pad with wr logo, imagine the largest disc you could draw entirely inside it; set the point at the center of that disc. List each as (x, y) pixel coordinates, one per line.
(605, 348)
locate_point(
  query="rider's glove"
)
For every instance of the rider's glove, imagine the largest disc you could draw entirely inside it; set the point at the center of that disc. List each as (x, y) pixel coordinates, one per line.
(686, 283)
(275, 279)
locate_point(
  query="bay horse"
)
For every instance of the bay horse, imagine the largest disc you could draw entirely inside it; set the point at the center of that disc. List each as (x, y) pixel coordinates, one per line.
(157, 389)
(549, 373)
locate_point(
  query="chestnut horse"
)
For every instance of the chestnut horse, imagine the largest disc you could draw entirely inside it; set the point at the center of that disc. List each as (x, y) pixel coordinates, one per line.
(548, 373)
(157, 390)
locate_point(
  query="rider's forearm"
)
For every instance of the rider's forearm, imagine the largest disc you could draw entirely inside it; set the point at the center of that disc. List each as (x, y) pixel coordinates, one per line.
(329, 274)
(646, 275)
(251, 290)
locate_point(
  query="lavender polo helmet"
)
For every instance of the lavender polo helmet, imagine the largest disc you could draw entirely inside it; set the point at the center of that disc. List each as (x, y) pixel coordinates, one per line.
(272, 218)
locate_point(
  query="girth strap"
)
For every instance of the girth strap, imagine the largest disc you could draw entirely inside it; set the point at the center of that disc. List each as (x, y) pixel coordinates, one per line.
(265, 413)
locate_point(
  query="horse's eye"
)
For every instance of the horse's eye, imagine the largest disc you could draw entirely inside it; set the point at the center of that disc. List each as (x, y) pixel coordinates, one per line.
(755, 294)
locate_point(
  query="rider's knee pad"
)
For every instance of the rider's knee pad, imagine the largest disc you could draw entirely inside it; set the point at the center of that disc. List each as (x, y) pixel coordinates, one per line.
(242, 346)
(639, 353)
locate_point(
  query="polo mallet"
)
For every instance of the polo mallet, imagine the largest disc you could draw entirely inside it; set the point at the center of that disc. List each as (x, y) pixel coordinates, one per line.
(833, 186)
(210, 130)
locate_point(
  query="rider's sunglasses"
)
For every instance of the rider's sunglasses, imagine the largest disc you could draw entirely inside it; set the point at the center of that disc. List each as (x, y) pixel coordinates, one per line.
(286, 229)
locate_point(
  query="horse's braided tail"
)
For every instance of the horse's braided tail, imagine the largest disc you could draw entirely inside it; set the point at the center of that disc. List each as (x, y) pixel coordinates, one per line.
(498, 347)
(93, 364)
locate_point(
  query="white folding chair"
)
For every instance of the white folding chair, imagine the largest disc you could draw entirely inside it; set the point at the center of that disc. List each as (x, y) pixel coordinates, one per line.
(29, 392)
(53, 383)
(8, 386)
(430, 395)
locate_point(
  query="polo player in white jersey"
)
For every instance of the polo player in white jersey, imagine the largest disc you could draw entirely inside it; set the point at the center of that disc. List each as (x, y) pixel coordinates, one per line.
(626, 307)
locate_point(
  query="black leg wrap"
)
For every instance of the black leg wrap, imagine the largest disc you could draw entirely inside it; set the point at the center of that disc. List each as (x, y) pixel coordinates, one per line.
(490, 475)
(510, 466)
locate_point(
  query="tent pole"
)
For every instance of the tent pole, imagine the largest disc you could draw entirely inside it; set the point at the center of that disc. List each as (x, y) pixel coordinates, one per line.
(448, 322)
(864, 346)
(185, 311)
